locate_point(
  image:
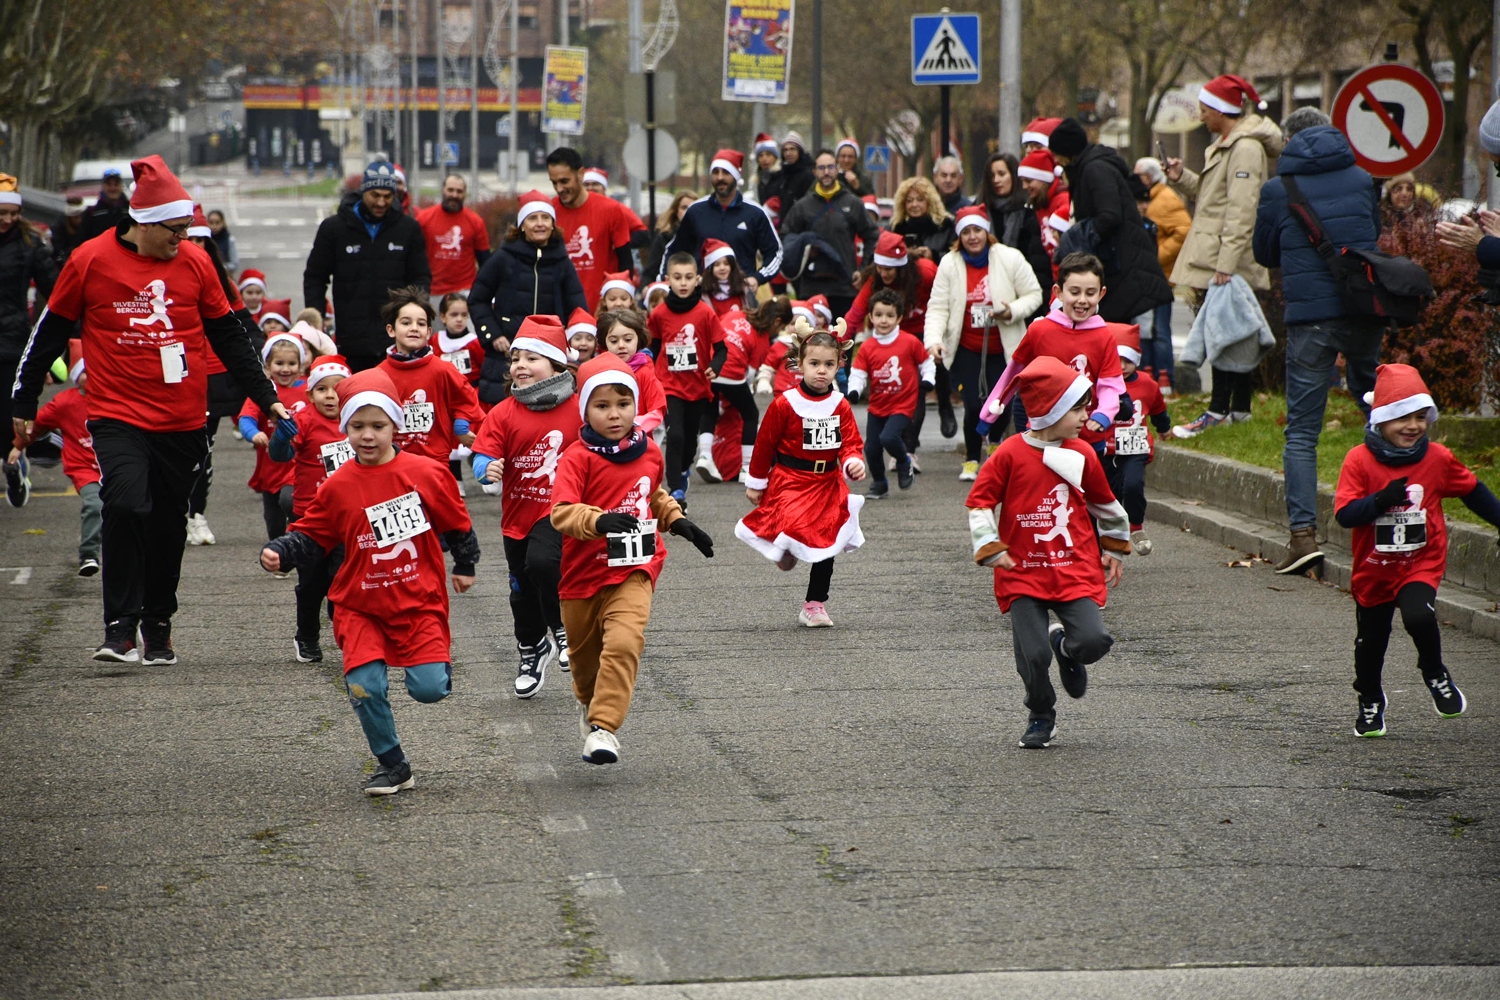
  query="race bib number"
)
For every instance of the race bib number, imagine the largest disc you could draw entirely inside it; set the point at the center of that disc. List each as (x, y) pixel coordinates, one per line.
(632, 548)
(173, 363)
(981, 315)
(417, 418)
(397, 520)
(335, 454)
(461, 361)
(1132, 441)
(822, 433)
(682, 358)
(1401, 531)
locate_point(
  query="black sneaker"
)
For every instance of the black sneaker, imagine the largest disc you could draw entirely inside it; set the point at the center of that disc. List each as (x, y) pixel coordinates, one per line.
(1038, 735)
(390, 780)
(88, 567)
(560, 639)
(1075, 677)
(308, 652)
(905, 476)
(879, 490)
(119, 644)
(156, 644)
(17, 482)
(1371, 718)
(1446, 697)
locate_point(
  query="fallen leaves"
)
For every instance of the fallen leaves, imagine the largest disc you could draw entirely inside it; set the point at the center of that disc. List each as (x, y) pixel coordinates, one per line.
(1245, 563)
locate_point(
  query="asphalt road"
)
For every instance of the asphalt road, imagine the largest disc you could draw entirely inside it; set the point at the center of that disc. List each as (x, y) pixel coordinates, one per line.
(791, 803)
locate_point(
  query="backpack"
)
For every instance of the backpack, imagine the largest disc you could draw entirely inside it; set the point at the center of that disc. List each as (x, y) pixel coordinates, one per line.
(1371, 283)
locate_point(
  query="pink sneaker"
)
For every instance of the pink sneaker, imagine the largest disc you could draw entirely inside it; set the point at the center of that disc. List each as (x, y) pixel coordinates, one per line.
(814, 615)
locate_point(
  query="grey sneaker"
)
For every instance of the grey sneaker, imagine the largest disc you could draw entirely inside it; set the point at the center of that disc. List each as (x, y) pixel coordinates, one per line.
(390, 780)
(1038, 735)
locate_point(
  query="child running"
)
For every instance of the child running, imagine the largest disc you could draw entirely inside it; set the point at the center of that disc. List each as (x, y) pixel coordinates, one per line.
(624, 336)
(284, 356)
(891, 364)
(617, 292)
(1390, 495)
(456, 344)
(583, 335)
(517, 450)
(441, 409)
(808, 443)
(316, 446)
(1130, 446)
(387, 508)
(777, 372)
(689, 346)
(1045, 485)
(726, 283)
(608, 502)
(743, 350)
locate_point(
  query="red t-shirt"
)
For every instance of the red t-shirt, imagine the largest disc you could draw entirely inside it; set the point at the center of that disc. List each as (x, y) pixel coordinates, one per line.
(741, 340)
(653, 396)
(390, 596)
(1146, 401)
(269, 475)
(452, 240)
(531, 443)
(784, 377)
(972, 338)
(687, 347)
(589, 478)
(318, 450)
(68, 414)
(464, 353)
(894, 371)
(1044, 522)
(594, 231)
(432, 395)
(1395, 551)
(143, 330)
(916, 312)
(1091, 352)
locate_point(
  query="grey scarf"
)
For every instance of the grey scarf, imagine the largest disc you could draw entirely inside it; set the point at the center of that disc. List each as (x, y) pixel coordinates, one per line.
(546, 394)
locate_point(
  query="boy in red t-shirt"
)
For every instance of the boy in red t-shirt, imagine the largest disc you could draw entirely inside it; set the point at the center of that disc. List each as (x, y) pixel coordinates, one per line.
(441, 409)
(1390, 495)
(689, 346)
(608, 501)
(1050, 490)
(316, 446)
(387, 508)
(68, 414)
(1129, 446)
(285, 357)
(891, 364)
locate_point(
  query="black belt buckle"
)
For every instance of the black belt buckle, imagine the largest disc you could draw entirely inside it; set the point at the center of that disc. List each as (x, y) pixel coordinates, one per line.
(820, 466)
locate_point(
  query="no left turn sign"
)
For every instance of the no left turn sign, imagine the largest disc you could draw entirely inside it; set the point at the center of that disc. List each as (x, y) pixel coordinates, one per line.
(1393, 117)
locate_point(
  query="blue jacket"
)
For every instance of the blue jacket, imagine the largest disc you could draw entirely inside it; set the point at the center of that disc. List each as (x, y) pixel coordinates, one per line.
(1344, 199)
(744, 226)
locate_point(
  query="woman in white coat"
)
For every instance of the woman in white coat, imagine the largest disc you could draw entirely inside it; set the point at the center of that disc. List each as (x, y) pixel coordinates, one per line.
(976, 315)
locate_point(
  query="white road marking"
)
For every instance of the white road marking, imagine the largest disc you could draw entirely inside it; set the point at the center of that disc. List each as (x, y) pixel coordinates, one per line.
(513, 729)
(22, 577)
(596, 884)
(289, 255)
(564, 824)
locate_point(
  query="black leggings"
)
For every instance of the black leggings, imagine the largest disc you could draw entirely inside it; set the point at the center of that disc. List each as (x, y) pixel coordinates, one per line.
(1127, 479)
(684, 417)
(1417, 602)
(277, 510)
(885, 436)
(819, 580)
(313, 581)
(740, 396)
(198, 498)
(976, 386)
(535, 564)
(1231, 392)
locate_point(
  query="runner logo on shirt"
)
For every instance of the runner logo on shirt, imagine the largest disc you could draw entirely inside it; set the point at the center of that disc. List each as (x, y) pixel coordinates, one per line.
(151, 300)
(638, 500)
(682, 352)
(581, 248)
(452, 241)
(541, 461)
(417, 415)
(889, 373)
(1080, 363)
(1050, 519)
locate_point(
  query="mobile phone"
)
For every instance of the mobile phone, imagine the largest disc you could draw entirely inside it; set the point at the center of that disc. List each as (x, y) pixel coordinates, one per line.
(1161, 151)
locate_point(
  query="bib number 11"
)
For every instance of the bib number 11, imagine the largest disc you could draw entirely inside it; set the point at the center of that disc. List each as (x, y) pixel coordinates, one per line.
(632, 548)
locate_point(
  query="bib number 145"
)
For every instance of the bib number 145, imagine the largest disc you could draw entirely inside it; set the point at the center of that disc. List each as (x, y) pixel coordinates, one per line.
(822, 433)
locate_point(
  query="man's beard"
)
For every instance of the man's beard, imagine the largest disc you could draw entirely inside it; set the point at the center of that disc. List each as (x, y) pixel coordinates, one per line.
(722, 188)
(453, 204)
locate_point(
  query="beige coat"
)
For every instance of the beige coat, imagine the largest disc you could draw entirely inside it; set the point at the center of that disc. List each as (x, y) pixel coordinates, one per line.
(1012, 283)
(1227, 192)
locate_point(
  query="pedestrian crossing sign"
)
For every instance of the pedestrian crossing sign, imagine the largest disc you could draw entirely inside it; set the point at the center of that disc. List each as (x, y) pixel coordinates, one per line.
(944, 48)
(877, 159)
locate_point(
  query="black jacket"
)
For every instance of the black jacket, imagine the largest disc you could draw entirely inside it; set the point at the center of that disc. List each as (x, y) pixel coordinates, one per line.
(22, 261)
(796, 179)
(363, 271)
(1132, 273)
(744, 226)
(520, 279)
(837, 221)
(103, 216)
(1014, 223)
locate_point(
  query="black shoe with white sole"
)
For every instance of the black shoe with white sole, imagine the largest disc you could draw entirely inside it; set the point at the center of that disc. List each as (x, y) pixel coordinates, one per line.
(1447, 699)
(156, 644)
(390, 780)
(119, 644)
(17, 482)
(1074, 675)
(308, 652)
(879, 490)
(905, 476)
(88, 567)
(1038, 735)
(535, 660)
(1371, 718)
(560, 639)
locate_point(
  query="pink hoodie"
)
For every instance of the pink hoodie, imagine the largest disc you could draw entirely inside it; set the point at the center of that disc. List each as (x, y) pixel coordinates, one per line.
(1107, 392)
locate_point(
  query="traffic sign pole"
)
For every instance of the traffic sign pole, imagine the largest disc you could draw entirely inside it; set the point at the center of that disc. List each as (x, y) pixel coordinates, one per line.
(651, 148)
(947, 93)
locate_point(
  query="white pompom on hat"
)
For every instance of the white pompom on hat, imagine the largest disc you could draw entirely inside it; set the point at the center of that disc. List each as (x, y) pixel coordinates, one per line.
(1228, 94)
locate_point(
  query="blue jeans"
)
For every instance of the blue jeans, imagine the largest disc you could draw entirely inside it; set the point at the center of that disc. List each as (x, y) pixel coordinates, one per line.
(91, 521)
(1311, 349)
(367, 685)
(1156, 353)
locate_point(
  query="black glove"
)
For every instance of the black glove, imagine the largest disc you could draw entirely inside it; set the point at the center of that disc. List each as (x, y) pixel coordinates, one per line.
(852, 395)
(614, 523)
(928, 387)
(683, 528)
(1393, 493)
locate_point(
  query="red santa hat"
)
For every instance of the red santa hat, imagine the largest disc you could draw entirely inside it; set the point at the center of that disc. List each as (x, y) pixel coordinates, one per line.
(655, 286)
(283, 338)
(158, 194)
(872, 205)
(731, 160)
(199, 226)
(715, 251)
(765, 144)
(371, 387)
(595, 175)
(1228, 93)
(617, 280)
(1127, 340)
(819, 304)
(1039, 130)
(1062, 219)
(846, 142)
(250, 276)
(890, 250)
(542, 335)
(533, 202)
(1399, 390)
(582, 321)
(974, 215)
(1039, 165)
(399, 172)
(270, 314)
(328, 366)
(1050, 388)
(605, 369)
(802, 308)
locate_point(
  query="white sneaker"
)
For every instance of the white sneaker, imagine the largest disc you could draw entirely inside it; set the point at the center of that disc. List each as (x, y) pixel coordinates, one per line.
(745, 474)
(461, 488)
(193, 538)
(915, 465)
(1239, 416)
(560, 640)
(1140, 544)
(601, 747)
(969, 473)
(890, 463)
(707, 469)
(535, 660)
(205, 535)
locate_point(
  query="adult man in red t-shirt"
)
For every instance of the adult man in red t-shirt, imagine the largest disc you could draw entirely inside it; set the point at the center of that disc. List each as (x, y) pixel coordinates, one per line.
(152, 307)
(457, 240)
(596, 231)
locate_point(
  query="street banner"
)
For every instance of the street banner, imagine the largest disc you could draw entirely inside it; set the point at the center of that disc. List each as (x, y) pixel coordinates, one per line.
(565, 89)
(758, 50)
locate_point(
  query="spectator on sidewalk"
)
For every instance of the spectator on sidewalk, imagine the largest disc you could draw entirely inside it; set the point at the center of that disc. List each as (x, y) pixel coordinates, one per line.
(666, 228)
(851, 172)
(1482, 238)
(67, 235)
(1318, 327)
(796, 171)
(111, 207)
(24, 260)
(1172, 224)
(458, 242)
(834, 213)
(948, 178)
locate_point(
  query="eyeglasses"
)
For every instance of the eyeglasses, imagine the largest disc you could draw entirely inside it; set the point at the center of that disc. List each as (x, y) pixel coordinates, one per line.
(177, 231)
(826, 168)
